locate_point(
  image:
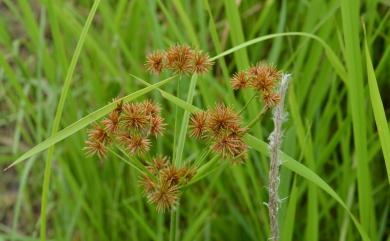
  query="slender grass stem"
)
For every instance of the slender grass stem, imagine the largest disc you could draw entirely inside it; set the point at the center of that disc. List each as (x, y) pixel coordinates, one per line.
(126, 161)
(247, 104)
(176, 120)
(257, 118)
(206, 151)
(172, 226)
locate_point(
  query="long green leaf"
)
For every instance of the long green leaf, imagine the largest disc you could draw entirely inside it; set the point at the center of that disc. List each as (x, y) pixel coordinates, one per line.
(356, 98)
(379, 111)
(333, 59)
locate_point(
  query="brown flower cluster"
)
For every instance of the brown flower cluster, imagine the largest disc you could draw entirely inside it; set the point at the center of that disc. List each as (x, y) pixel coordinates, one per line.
(180, 59)
(262, 77)
(222, 127)
(163, 182)
(130, 125)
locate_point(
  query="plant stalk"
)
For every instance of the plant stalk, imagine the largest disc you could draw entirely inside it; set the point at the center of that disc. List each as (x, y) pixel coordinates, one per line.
(275, 141)
(257, 118)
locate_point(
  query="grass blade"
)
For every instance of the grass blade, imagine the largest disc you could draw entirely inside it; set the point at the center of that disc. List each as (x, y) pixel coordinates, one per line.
(356, 99)
(379, 111)
(184, 123)
(332, 57)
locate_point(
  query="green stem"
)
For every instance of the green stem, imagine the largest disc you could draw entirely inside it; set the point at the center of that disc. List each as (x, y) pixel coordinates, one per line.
(172, 232)
(135, 163)
(126, 161)
(257, 118)
(206, 151)
(247, 104)
(178, 160)
(176, 121)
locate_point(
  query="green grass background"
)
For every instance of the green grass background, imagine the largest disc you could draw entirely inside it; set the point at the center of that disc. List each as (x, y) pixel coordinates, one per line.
(62, 60)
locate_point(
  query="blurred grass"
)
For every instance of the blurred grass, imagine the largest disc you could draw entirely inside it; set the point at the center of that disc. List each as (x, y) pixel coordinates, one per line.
(337, 128)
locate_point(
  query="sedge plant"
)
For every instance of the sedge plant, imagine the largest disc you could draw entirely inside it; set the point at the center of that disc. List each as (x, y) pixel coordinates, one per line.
(128, 129)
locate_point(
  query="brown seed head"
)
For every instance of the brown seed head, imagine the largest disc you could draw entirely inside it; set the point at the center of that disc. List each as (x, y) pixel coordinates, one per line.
(263, 77)
(98, 134)
(179, 59)
(134, 116)
(160, 162)
(239, 80)
(201, 62)
(271, 99)
(229, 146)
(147, 184)
(157, 125)
(136, 144)
(171, 175)
(198, 124)
(95, 148)
(164, 197)
(222, 118)
(150, 108)
(155, 62)
(111, 123)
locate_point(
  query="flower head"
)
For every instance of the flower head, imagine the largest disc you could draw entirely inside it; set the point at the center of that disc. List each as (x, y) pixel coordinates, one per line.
(155, 62)
(165, 196)
(157, 125)
(130, 125)
(271, 99)
(150, 108)
(263, 77)
(239, 80)
(147, 184)
(171, 175)
(111, 123)
(163, 187)
(134, 116)
(95, 148)
(198, 124)
(179, 59)
(159, 163)
(201, 62)
(222, 118)
(221, 126)
(98, 134)
(136, 144)
(229, 145)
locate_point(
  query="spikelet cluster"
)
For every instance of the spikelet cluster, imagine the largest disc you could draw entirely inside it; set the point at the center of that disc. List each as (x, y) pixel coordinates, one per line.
(129, 125)
(263, 78)
(180, 59)
(221, 126)
(162, 183)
